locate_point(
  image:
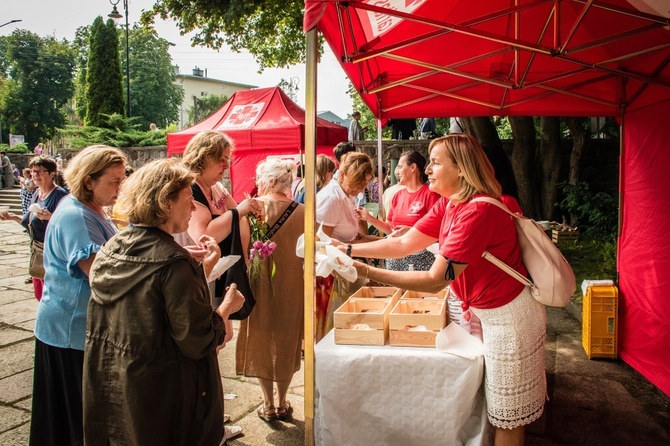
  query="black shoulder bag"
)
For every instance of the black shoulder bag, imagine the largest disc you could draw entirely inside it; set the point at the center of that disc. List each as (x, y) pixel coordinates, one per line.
(237, 273)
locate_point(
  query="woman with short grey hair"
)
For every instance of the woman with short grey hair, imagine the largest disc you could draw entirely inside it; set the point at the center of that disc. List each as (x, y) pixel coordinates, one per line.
(269, 341)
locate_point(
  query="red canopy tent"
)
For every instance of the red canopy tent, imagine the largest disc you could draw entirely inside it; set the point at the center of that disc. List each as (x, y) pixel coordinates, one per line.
(262, 122)
(435, 58)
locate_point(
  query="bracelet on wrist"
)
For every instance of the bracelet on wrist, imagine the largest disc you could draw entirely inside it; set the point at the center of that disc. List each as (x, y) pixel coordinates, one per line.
(349, 249)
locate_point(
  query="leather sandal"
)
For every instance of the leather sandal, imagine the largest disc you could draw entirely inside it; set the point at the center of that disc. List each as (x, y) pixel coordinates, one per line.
(284, 412)
(267, 413)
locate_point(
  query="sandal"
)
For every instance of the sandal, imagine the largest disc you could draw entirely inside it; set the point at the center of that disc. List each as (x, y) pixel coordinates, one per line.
(285, 411)
(267, 413)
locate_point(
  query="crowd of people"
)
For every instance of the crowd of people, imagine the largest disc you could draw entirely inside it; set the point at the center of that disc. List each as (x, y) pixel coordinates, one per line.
(130, 308)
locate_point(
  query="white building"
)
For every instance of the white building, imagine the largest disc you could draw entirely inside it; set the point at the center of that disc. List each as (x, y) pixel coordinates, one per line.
(198, 85)
(332, 117)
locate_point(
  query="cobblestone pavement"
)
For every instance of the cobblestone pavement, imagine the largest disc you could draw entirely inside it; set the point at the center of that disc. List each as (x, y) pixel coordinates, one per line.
(591, 402)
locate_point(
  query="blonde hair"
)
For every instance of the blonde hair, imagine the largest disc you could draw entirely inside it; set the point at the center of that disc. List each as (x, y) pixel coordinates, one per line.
(204, 145)
(275, 176)
(324, 166)
(478, 176)
(357, 167)
(91, 162)
(146, 195)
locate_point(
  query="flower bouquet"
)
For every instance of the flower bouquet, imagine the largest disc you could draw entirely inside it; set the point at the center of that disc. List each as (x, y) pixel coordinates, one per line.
(261, 247)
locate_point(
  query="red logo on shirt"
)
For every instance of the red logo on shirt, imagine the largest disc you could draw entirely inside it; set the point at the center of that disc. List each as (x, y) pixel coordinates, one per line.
(415, 208)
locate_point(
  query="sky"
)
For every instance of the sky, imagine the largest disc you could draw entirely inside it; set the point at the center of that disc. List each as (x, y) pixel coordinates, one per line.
(62, 18)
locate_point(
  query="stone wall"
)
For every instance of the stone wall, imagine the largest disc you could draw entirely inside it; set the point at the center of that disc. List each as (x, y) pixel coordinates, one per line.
(137, 156)
(600, 167)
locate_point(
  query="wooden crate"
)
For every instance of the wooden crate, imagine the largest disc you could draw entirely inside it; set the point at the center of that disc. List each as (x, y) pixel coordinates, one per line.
(346, 336)
(378, 292)
(363, 321)
(430, 314)
(564, 236)
(425, 296)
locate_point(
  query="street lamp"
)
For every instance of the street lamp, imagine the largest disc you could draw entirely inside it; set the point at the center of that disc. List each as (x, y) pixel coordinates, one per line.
(115, 15)
(10, 22)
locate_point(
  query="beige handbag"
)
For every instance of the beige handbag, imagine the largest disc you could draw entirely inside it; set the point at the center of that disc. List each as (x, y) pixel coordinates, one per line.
(36, 266)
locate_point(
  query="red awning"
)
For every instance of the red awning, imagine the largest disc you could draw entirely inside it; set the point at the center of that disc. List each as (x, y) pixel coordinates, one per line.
(438, 58)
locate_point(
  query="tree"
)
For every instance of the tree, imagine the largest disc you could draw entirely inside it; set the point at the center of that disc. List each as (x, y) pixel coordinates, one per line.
(271, 30)
(104, 90)
(38, 85)
(203, 108)
(525, 165)
(550, 161)
(154, 96)
(80, 45)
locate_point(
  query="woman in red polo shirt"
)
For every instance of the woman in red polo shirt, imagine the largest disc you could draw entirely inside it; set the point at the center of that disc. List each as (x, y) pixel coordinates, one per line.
(513, 323)
(407, 207)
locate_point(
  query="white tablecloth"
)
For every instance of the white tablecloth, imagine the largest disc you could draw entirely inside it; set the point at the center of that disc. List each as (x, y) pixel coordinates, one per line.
(369, 395)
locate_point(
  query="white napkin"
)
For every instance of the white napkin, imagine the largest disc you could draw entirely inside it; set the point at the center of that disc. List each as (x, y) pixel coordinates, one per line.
(588, 283)
(455, 340)
(323, 241)
(434, 248)
(34, 208)
(222, 266)
(332, 260)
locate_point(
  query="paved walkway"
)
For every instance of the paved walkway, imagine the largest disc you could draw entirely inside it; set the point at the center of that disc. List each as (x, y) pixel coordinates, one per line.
(591, 402)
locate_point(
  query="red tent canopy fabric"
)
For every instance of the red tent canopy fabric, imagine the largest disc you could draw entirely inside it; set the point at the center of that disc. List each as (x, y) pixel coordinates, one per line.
(439, 58)
(261, 122)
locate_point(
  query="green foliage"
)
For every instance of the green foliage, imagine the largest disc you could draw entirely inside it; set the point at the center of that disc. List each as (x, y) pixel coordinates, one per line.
(367, 118)
(596, 214)
(38, 84)
(271, 30)
(441, 126)
(104, 92)
(18, 148)
(80, 45)
(118, 131)
(502, 126)
(206, 106)
(153, 95)
(590, 259)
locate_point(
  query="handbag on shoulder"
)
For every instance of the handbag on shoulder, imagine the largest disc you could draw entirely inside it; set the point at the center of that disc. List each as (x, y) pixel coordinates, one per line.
(36, 265)
(238, 272)
(552, 281)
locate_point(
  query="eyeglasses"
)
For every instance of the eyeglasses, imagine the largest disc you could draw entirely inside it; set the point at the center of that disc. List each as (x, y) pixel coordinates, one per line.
(38, 172)
(227, 160)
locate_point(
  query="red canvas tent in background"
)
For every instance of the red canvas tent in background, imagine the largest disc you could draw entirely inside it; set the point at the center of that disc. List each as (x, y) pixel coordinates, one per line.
(438, 58)
(262, 122)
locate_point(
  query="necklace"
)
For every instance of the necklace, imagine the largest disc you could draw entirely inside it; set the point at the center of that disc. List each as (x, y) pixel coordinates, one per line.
(44, 194)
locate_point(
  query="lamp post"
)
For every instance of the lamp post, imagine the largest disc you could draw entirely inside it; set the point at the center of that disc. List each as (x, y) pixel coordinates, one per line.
(10, 22)
(115, 15)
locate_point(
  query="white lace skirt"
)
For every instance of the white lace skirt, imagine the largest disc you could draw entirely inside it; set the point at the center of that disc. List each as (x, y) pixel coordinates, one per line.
(515, 380)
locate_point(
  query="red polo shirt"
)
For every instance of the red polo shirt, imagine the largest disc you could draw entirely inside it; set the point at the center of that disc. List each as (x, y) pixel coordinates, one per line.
(465, 232)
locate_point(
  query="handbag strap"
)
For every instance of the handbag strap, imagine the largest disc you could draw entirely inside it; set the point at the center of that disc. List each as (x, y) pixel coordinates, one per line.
(236, 243)
(282, 219)
(493, 259)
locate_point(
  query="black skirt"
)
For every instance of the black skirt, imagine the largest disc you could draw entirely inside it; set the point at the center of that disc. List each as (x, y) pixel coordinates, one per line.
(57, 396)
